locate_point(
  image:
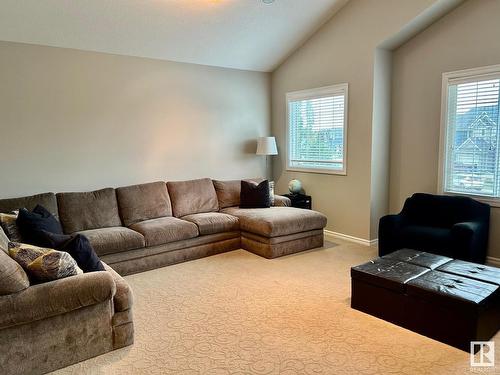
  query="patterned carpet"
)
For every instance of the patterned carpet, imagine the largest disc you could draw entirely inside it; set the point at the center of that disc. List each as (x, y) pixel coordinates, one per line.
(237, 313)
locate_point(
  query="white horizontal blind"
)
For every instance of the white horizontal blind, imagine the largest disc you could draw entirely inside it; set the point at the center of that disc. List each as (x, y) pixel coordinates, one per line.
(316, 126)
(472, 137)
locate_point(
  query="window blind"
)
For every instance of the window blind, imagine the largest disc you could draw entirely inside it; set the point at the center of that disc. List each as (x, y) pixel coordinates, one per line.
(472, 137)
(316, 126)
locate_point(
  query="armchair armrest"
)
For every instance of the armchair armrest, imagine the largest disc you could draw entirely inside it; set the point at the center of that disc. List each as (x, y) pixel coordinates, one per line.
(281, 201)
(470, 240)
(388, 233)
(45, 300)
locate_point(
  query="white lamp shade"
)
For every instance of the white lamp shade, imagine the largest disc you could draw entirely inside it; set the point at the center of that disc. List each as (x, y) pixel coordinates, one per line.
(266, 146)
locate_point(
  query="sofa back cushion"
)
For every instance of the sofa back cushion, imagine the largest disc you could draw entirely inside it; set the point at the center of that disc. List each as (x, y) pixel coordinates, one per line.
(443, 210)
(47, 200)
(192, 197)
(88, 210)
(228, 192)
(143, 202)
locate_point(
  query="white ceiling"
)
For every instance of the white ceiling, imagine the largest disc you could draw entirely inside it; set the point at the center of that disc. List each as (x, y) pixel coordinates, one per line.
(242, 34)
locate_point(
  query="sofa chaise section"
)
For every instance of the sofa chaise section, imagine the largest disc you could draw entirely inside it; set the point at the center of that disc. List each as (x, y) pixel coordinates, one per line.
(277, 231)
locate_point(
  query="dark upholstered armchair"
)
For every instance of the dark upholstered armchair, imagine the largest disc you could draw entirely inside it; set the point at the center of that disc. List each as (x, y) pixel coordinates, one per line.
(447, 225)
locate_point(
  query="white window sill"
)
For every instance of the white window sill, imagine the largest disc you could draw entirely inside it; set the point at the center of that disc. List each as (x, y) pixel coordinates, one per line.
(318, 171)
(493, 202)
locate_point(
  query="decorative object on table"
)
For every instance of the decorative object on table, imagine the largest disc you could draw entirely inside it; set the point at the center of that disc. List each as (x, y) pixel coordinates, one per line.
(300, 200)
(255, 195)
(271, 192)
(267, 146)
(447, 225)
(295, 187)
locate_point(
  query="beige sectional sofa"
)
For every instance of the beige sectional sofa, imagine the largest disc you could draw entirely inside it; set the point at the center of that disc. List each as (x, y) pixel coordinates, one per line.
(134, 229)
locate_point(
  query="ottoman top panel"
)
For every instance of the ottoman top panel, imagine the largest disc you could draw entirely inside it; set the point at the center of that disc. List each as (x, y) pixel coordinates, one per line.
(419, 258)
(388, 273)
(473, 270)
(447, 289)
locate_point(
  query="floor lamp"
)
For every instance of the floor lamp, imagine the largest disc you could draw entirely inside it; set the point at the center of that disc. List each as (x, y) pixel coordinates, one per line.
(267, 146)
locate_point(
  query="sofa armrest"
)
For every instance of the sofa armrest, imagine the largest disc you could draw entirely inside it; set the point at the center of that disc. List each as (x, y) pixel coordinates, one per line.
(470, 240)
(281, 201)
(388, 233)
(45, 300)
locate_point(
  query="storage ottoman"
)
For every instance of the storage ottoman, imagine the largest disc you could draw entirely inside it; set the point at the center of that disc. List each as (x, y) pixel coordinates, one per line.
(448, 300)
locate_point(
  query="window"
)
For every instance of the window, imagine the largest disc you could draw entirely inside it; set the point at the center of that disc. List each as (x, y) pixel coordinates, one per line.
(316, 134)
(470, 138)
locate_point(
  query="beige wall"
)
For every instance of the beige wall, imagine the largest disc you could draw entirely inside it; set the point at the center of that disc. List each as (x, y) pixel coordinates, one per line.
(467, 37)
(74, 120)
(342, 51)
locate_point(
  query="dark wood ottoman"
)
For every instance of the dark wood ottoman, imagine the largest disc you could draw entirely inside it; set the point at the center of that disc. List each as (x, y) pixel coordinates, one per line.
(451, 301)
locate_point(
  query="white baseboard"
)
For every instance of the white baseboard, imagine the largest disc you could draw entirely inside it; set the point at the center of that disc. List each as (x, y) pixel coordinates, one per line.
(331, 236)
(493, 261)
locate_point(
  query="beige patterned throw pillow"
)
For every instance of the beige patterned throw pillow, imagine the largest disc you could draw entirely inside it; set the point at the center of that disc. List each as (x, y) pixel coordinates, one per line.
(12, 276)
(44, 264)
(9, 225)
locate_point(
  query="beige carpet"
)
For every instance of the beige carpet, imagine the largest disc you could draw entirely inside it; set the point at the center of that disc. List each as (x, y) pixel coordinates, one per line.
(237, 313)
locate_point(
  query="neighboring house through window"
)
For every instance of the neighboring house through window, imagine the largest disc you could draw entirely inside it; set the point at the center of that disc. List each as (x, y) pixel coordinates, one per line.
(470, 138)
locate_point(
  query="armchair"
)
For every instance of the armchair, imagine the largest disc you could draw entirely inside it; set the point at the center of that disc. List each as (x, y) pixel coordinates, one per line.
(453, 226)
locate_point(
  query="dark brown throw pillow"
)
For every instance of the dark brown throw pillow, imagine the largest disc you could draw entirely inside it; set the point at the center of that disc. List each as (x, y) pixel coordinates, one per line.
(255, 195)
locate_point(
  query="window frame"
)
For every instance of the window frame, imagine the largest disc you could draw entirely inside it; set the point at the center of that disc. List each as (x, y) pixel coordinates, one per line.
(459, 77)
(312, 94)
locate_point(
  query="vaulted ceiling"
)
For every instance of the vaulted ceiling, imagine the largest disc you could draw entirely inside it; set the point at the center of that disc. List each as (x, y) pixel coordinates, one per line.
(241, 34)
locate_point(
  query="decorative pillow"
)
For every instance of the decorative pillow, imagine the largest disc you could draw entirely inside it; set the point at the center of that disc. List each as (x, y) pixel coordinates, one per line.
(31, 224)
(43, 264)
(13, 279)
(78, 246)
(255, 195)
(53, 265)
(4, 241)
(9, 225)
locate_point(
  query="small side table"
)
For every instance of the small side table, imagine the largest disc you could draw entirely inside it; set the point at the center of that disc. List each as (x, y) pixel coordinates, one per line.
(300, 200)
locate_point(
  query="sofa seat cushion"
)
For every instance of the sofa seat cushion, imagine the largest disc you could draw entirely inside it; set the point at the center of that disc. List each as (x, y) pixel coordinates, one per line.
(213, 222)
(277, 221)
(427, 238)
(123, 299)
(165, 229)
(113, 240)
